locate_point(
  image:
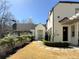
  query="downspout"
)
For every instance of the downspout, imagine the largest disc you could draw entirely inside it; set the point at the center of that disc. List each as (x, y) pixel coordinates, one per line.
(53, 26)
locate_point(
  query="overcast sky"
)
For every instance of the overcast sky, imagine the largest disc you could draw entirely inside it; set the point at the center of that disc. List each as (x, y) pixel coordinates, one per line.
(36, 9)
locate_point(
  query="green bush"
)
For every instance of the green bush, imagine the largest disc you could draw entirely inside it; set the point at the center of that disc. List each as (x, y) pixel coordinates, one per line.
(57, 44)
(2, 42)
(24, 37)
(30, 37)
(44, 40)
(20, 38)
(9, 41)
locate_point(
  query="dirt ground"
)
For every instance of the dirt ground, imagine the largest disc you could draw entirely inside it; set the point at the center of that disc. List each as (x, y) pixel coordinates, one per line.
(36, 50)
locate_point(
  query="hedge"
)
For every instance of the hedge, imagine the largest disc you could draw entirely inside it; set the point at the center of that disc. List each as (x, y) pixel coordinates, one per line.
(57, 44)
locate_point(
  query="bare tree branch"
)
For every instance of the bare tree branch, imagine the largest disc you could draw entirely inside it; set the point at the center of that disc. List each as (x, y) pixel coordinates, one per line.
(6, 17)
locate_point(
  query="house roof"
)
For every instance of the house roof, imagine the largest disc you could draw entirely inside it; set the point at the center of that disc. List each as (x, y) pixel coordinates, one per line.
(63, 19)
(75, 2)
(25, 26)
(68, 1)
(66, 20)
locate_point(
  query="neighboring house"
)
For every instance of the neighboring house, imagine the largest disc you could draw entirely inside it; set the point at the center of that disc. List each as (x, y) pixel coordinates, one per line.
(25, 28)
(62, 26)
(37, 30)
(40, 32)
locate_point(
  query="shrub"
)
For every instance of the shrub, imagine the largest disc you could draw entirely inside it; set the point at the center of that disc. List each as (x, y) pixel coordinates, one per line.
(57, 44)
(30, 37)
(9, 41)
(24, 37)
(44, 40)
(2, 42)
(20, 38)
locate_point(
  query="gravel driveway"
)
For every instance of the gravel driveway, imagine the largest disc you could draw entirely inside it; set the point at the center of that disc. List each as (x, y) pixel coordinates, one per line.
(36, 50)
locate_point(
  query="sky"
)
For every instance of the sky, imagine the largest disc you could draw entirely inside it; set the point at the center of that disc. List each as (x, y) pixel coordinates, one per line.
(35, 9)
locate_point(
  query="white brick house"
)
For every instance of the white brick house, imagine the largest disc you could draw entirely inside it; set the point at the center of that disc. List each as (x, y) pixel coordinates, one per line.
(40, 32)
(62, 25)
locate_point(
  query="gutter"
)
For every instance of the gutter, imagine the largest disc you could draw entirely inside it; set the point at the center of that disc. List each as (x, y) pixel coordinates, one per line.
(53, 26)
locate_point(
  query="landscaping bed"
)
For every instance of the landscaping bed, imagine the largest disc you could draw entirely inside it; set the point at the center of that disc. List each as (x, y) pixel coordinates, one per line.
(57, 44)
(12, 51)
(10, 44)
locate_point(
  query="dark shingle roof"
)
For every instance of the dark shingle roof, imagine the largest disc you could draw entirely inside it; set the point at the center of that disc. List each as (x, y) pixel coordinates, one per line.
(25, 26)
(68, 1)
(63, 19)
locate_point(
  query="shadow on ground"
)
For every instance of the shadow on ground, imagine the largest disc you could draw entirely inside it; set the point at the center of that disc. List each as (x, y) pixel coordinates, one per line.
(11, 52)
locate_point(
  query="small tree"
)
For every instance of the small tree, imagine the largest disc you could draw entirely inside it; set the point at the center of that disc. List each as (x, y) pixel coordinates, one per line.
(6, 17)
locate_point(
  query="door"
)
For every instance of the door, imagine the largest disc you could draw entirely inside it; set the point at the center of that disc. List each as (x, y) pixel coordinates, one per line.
(40, 34)
(65, 33)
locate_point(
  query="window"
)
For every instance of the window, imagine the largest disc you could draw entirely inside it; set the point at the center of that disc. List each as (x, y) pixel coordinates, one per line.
(73, 31)
(77, 10)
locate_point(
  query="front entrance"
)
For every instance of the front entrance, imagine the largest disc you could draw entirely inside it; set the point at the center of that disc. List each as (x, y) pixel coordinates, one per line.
(65, 33)
(40, 34)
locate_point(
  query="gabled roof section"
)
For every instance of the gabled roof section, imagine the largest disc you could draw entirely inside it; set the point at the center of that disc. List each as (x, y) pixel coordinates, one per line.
(41, 24)
(65, 18)
(75, 2)
(25, 27)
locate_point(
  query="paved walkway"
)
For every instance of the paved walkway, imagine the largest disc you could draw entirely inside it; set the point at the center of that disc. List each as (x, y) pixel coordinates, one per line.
(36, 50)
